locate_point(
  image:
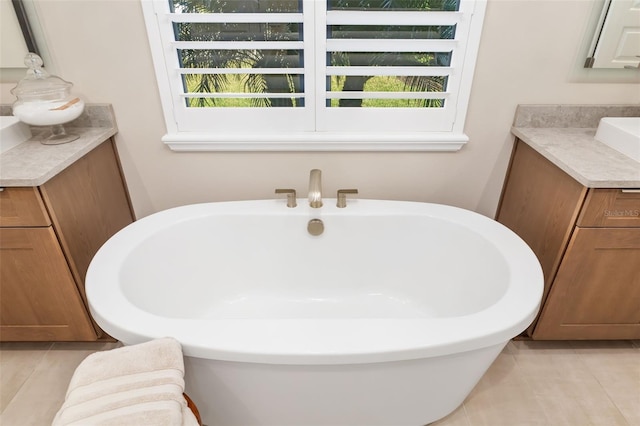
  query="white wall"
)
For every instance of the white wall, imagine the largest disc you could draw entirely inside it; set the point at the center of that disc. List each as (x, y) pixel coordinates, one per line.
(13, 48)
(528, 54)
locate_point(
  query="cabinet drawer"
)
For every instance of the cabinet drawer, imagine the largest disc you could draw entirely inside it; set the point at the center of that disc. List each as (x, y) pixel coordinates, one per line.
(22, 207)
(611, 208)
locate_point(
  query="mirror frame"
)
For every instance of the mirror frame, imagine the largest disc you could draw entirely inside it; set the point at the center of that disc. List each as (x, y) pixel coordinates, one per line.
(25, 27)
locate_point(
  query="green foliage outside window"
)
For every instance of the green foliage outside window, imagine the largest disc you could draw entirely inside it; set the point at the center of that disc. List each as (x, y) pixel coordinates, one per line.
(293, 83)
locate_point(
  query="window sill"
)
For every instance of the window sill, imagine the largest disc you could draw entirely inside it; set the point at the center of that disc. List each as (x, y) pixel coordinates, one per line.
(326, 142)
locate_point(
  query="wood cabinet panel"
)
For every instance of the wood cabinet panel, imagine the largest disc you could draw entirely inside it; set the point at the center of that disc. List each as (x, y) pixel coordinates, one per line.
(22, 207)
(96, 208)
(611, 208)
(540, 203)
(39, 300)
(596, 294)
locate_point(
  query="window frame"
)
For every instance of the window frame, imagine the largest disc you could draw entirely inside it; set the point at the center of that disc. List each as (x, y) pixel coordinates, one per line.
(297, 134)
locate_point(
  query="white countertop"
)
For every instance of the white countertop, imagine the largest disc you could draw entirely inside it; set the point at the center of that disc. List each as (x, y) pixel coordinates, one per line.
(565, 135)
(577, 153)
(32, 163)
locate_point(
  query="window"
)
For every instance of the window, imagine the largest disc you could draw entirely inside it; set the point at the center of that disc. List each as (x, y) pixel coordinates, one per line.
(314, 74)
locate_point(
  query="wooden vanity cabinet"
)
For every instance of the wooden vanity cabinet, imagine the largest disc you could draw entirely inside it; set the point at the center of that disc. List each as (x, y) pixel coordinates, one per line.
(588, 243)
(48, 236)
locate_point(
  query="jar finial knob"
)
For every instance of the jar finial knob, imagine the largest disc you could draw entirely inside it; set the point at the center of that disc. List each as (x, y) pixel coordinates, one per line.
(34, 63)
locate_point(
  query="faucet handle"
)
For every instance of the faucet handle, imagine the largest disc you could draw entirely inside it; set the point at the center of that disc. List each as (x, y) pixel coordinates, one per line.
(342, 197)
(291, 196)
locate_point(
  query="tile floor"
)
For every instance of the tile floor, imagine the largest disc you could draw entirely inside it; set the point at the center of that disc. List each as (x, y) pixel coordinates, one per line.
(531, 383)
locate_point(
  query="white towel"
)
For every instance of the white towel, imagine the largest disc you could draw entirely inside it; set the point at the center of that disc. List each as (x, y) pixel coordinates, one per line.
(158, 354)
(162, 413)
(139, 384)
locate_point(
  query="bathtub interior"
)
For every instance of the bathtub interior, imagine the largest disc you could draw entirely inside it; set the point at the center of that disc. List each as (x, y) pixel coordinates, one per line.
(268, 266)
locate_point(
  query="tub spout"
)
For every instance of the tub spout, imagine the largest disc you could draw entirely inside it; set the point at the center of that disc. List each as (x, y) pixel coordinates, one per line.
(315, 188)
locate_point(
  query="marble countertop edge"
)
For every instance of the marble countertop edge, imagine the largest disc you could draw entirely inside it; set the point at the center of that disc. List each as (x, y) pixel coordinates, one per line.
(576, 152)
(33, 164)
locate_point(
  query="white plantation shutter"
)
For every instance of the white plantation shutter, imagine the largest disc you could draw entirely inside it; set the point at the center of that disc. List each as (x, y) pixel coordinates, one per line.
(187, 115)
(314, 74)
(440, 115)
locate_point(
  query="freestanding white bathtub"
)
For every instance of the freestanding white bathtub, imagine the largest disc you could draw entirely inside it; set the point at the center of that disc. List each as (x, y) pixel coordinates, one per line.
(389, 317)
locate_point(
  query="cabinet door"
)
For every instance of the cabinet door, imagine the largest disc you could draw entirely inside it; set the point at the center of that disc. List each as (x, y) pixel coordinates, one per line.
(39, 300)
(596, 293)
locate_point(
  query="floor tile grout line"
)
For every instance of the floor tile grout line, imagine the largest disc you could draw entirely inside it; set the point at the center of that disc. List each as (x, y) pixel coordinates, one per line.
(580, 357)
(466, 414)
(511, 354)
(22, 394)
(604, 388)
(535, 394)
(26, 379)
(530, 387)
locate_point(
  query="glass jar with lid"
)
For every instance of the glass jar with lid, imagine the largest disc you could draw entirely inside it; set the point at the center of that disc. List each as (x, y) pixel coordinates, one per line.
(46, 100)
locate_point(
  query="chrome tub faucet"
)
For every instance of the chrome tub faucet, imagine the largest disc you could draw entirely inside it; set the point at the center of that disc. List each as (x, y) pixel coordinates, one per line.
(315, 188)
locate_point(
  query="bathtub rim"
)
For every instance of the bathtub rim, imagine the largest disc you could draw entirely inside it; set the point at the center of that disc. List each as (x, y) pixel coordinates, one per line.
(311, 340)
